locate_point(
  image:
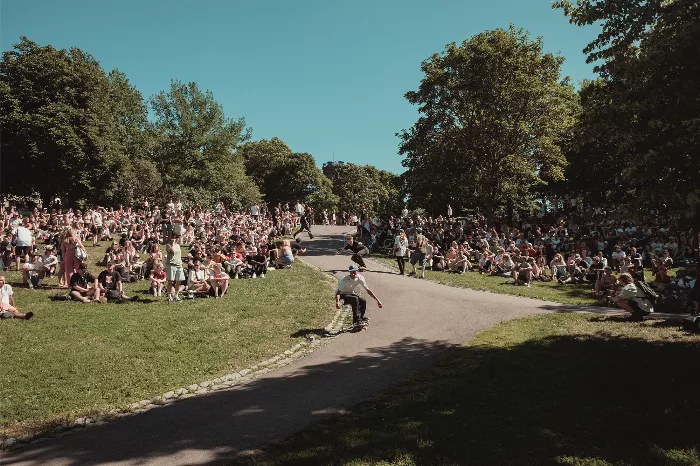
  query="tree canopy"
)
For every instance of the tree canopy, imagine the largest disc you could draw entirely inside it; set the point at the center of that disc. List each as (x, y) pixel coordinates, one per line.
(495, 112)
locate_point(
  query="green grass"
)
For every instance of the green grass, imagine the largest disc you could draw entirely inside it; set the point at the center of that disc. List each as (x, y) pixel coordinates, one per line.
(548, 390)
(547, 291)
(72, 359)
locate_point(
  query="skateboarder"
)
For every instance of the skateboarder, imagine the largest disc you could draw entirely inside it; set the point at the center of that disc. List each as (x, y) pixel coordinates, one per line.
(358, 249)
(304, 224)
(347, 291)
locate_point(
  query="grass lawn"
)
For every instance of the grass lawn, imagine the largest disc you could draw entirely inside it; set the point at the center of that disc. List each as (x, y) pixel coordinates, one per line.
(547, 291)
(555, 389)
(73, 359)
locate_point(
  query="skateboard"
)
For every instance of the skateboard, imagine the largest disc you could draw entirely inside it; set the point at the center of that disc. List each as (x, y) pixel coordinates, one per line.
(358, 327)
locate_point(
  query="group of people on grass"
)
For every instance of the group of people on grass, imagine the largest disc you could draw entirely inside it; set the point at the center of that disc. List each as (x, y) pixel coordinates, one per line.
(572, 247)
(145, 243)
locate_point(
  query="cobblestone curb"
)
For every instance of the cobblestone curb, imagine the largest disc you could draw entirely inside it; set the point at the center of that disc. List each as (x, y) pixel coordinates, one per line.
(298, 351)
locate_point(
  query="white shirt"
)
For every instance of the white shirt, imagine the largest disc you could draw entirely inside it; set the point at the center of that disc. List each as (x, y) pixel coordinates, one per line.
(97, 219)
(348, 285)
(5, 293)
(24, 236)
(195, 276)
(255, 210)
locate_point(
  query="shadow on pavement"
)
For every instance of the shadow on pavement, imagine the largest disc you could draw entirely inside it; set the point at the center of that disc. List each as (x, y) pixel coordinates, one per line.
(216, 427)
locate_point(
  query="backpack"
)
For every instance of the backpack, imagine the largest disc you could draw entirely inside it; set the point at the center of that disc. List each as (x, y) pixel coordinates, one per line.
(648, 291)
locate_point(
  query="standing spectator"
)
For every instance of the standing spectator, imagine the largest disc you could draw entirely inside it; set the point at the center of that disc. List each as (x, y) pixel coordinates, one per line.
(174, 272)
(7, 303)
(97, 227)
(400, 248)
(24, 242)
(70, 261)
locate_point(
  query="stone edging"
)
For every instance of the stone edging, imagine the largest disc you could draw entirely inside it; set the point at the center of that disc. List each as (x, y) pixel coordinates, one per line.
(298, 351)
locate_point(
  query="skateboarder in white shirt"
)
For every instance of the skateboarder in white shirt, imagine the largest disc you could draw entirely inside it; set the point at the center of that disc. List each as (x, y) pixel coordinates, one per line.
(347, 291)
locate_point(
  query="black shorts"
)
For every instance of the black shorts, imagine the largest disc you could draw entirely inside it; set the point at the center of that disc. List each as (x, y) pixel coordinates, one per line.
(97, 230)
(22, 250)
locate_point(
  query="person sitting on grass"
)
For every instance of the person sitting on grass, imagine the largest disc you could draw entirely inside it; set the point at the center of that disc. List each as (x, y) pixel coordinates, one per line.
(632, 299)
(505, 265)
(605, 285)
(158, 279)
(286, 256)
(84, 286)
(33, 271)
(7, 303)
(50, 261)
(219, 280)
(522, 274)
(196, 280)
(110, 282)
(485, 262)
(258, 261)
(460, 263)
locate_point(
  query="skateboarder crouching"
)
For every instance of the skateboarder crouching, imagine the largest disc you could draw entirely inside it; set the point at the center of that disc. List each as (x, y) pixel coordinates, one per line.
(347, 291)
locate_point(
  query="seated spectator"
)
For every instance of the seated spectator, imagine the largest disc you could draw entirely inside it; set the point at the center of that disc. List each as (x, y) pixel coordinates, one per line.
(158, 279)
(485, 262)
(7, 303)
(605, 285)
(632, 299)
(258, 262)
(438, 259)
(618, 257)
(197, 279)
(662, 277)
(522, 273)
(84, 285)
(595, 270)
(558, 267)
(50, 261)
(33, 271)
(460, 262)
(286, 256)
(110, 282)
(219, 280)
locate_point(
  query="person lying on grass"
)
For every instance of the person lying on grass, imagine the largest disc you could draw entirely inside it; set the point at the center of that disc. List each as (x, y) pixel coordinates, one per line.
(7, 303)
(84, 286)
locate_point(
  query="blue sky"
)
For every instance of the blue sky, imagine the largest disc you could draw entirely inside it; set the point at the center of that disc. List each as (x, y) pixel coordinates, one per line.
(324, 76)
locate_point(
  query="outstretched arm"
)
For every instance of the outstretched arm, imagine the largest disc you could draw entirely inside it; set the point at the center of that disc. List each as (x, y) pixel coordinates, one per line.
(371, 293)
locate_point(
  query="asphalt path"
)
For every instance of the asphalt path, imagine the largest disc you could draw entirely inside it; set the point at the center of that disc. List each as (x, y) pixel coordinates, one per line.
(420, 320)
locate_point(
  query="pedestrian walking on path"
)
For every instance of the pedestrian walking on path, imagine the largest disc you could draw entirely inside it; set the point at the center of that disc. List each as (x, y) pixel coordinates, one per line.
(347, 291)
(358, 249)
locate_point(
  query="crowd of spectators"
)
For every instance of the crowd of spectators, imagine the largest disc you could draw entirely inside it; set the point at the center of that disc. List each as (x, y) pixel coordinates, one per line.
(571, 247)
(143, 243)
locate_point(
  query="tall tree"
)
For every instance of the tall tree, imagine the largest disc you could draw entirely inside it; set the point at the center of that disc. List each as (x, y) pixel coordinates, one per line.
(643, 115)
(195, 148)
(364, 188)
(495, 111)
(57, 131)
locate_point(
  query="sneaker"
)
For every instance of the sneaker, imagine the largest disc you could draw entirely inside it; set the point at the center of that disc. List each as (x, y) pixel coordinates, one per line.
(171, 298)
(364, 319)
(255, 276)
(262, 275)
(28, 315)
(177, 298)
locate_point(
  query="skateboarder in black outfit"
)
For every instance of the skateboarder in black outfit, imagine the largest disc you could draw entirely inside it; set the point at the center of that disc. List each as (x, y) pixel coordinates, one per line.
(304, 223)
(358, 249)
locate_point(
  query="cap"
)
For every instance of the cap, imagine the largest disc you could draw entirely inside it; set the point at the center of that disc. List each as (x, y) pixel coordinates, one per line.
(353, 268)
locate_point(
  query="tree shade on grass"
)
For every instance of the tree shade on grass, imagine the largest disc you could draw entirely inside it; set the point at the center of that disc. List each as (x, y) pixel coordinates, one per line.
(72, 359)
(553, 389)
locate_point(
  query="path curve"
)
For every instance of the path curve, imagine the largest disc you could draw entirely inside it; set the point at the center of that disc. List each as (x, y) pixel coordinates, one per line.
(419, 321)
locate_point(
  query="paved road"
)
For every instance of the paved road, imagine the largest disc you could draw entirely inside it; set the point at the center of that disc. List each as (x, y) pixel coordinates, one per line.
(419, 321)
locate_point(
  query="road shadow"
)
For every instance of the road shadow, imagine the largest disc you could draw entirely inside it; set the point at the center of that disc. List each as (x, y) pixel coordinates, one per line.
(575, 399)
(225, 423)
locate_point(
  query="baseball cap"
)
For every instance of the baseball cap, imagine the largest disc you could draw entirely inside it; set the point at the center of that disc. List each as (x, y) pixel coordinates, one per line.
(353, 268)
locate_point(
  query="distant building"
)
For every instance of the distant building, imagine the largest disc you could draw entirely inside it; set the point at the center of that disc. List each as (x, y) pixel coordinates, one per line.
(329, 168)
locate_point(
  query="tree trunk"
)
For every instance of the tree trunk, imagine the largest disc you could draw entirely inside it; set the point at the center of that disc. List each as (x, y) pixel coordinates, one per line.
(509, 213)
(489, 212)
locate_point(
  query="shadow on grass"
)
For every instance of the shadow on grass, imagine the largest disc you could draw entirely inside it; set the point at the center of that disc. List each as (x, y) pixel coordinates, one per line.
(578, 399)
(320, 332)
(221, 425)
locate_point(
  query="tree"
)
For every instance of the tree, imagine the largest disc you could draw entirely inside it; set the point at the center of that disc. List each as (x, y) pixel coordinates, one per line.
(57, 131)
(195, 148)
(364, 188)
(495, 112)
(642, 117)
(284, 175)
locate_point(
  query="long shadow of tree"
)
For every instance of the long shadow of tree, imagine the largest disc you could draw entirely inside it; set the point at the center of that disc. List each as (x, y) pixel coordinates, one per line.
(579, 399)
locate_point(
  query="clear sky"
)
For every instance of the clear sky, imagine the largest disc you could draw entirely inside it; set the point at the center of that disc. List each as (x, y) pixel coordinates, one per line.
(324, 76)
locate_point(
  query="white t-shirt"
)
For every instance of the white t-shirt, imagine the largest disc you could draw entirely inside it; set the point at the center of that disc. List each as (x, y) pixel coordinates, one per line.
(97, 219)
(23, 235)
(195, 276)
(348, 286)
(255, 210)
(5, 293)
